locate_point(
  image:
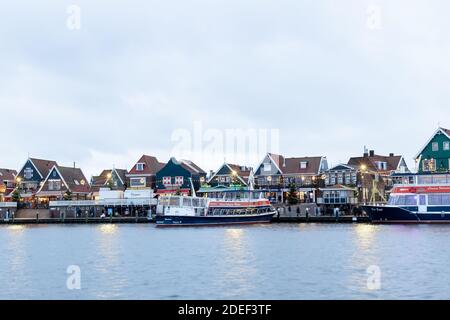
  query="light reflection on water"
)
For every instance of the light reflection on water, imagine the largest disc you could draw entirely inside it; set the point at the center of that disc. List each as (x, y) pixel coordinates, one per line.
(277, 261)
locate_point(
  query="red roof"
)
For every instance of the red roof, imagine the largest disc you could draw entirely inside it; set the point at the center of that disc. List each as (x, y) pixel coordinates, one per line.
(7, 175)
(43, 166)
(292, 165)
(151, 166)
(392, 162)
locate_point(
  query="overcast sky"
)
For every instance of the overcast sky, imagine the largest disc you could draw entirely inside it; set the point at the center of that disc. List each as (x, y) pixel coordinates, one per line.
(331, 76)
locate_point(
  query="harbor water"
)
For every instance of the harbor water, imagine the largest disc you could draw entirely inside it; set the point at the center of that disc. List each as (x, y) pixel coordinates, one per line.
(273, 261)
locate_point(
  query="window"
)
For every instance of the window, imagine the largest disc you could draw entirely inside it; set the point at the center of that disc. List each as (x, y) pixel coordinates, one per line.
(435, 146)
(54, 184)
(179, 181)
(446, 145)
(303, 164)
(139, 167)
(267, 167)
(167, 181)
(429, 165)
(381, 165)
(137, 182)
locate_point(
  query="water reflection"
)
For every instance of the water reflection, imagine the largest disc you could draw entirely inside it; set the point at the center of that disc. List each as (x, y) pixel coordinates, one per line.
(238, 262)
(365, 234)
(108, 263)
(16, 254)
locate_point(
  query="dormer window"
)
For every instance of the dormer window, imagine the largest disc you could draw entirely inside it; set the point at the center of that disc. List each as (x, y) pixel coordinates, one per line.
(139, 167)
(303, 164)
(381, 165)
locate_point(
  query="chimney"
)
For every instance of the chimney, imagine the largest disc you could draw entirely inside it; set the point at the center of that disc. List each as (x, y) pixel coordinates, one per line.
(391, 155)
(74, 165)
(372, 153)
(366, 154)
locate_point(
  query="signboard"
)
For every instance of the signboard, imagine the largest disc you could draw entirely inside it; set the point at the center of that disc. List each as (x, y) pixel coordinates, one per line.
(430, 189)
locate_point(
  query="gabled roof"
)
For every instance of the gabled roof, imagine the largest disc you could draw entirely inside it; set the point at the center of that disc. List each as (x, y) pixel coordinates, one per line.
(292, 165)
(7, 175)
(439, 130)
(151, 166)
(101, 179)
(242, 172)
(392, 162)
(72, 178)
(191, 167)
(42, 166)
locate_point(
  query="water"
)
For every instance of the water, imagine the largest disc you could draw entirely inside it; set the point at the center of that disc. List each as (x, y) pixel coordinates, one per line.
(277, 261)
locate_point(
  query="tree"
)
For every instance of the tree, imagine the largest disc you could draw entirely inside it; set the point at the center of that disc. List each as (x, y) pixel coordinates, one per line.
(68, 195)
(111, 183)
(16, 195)
(292, 195)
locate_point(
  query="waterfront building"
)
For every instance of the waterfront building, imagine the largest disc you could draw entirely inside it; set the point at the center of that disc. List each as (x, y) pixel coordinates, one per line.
(63, 183)
(434, 157)
(143, 174)
(276, 174)
(229, 175)
(113, 179)
(175, 177)
(7, 182)
(375, 174)
(30, 179)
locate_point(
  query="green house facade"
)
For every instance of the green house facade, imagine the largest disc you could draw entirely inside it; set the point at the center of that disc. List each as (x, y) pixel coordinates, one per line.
(435, 156)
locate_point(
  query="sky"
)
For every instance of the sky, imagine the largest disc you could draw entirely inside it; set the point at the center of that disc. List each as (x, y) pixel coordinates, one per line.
(100, 83)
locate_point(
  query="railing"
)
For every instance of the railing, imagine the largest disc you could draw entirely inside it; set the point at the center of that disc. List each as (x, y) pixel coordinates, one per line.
(342, 200)
(105, 202)
(8, 204)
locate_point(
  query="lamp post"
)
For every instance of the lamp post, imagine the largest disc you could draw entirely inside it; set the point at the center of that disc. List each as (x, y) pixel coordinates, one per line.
(363, 172)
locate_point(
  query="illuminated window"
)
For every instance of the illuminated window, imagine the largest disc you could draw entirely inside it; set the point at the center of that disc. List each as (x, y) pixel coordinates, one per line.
(137, 182)
(429, 165)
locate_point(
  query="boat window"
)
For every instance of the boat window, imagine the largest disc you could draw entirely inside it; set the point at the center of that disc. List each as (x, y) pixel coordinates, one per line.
(187, 202)
(422, 200)
(174, 201)
(435, 200)
(446, 199)
(196, 202)
(410, 200)
(392, 200)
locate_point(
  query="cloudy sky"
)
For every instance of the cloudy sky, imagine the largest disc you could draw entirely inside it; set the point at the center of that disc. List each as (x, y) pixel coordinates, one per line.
(320, 77)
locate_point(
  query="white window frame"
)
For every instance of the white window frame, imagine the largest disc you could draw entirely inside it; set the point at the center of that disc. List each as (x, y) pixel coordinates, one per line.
(142, 182)
(435, 146)
(303, 164)
(140, 166)
(446, 145)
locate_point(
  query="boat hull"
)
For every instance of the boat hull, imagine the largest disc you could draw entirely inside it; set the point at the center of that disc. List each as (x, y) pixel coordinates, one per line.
(392, 214)
(212, 220)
